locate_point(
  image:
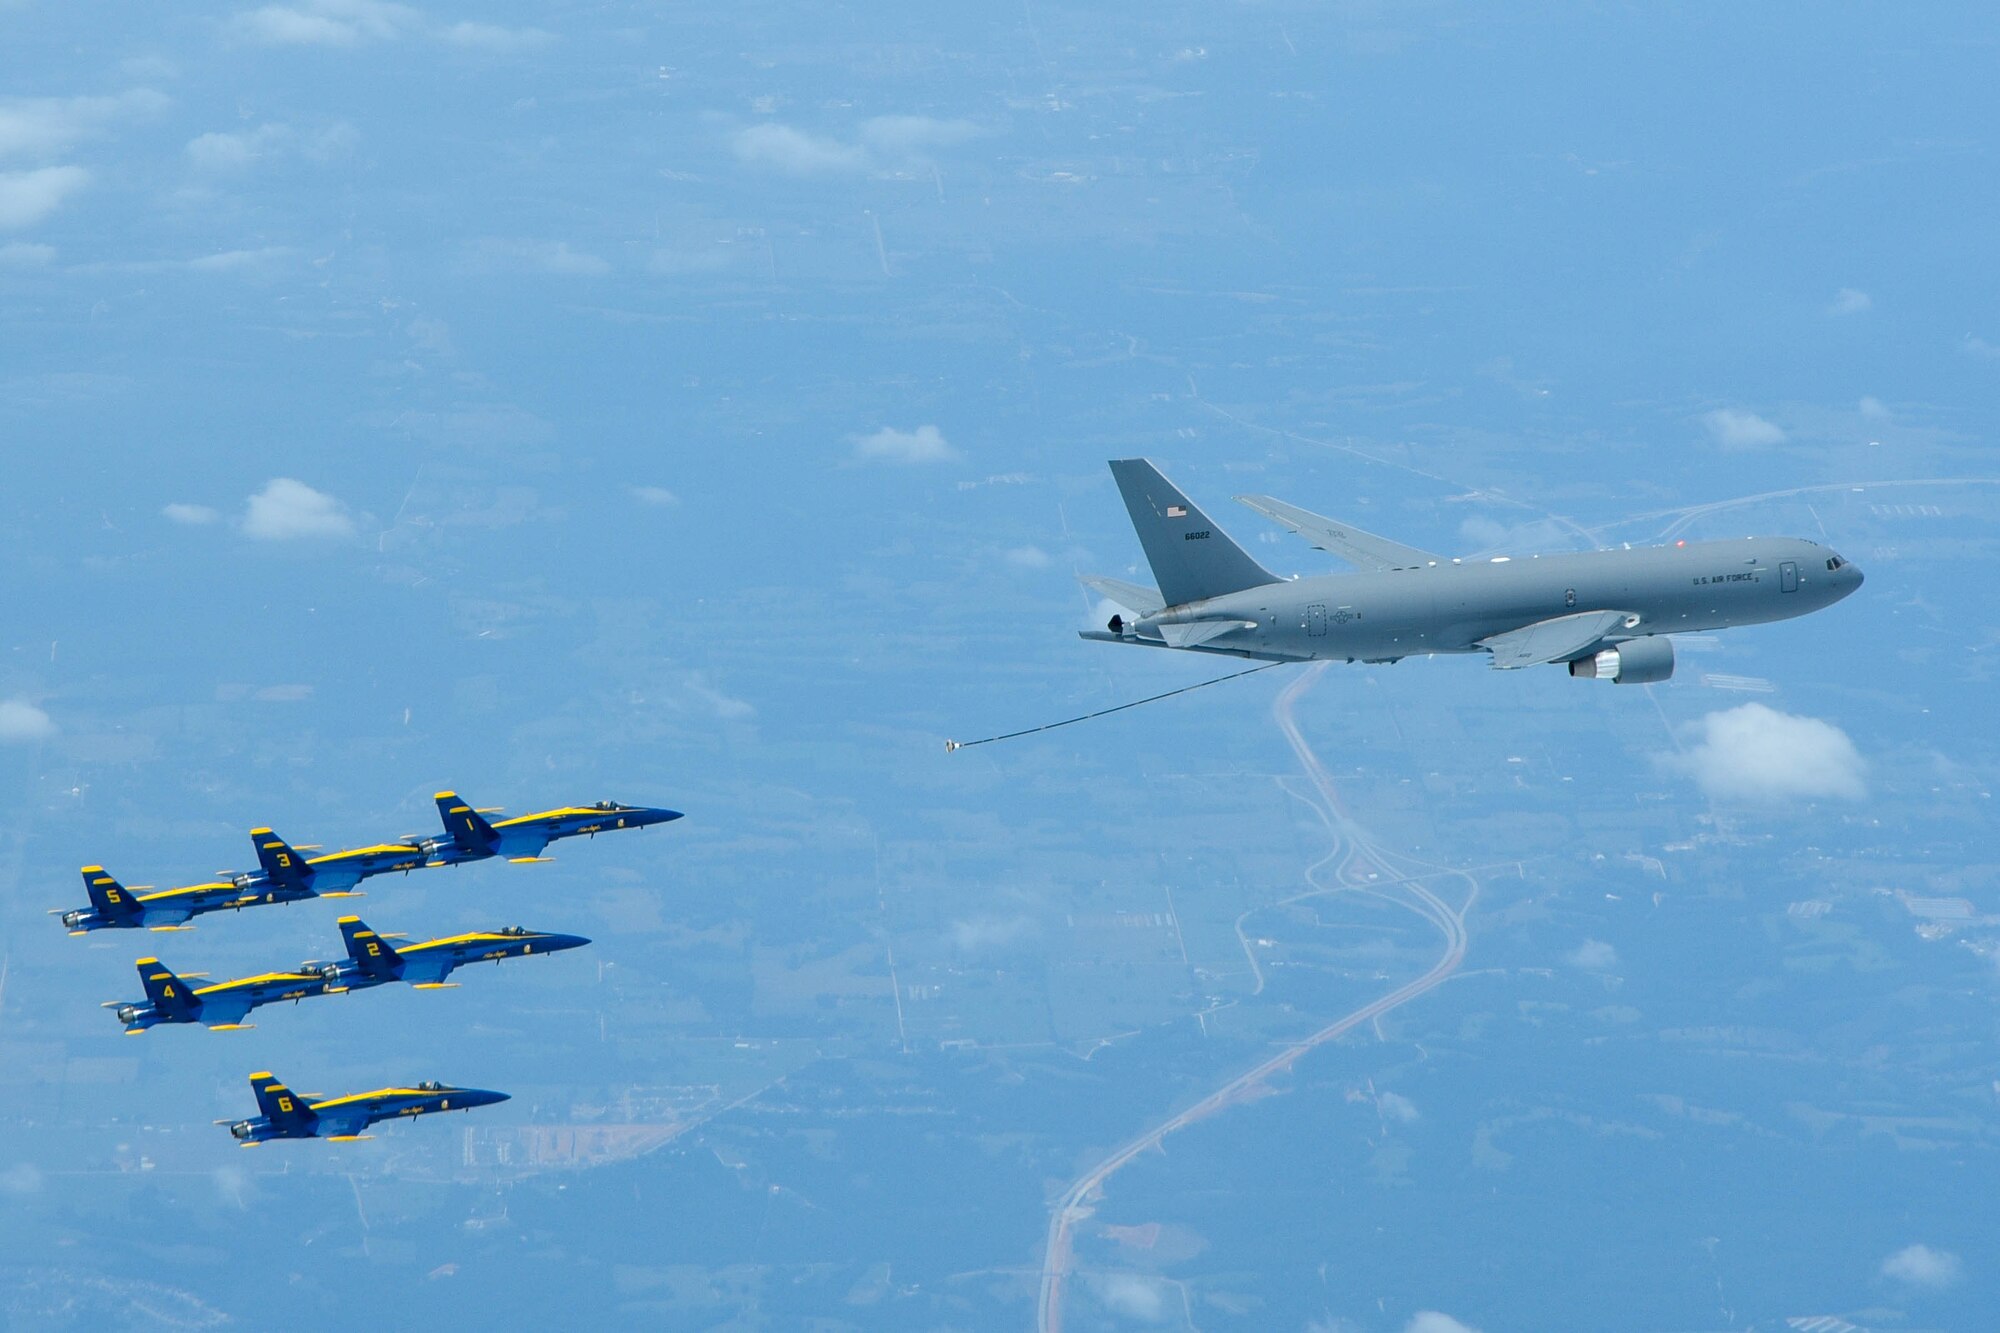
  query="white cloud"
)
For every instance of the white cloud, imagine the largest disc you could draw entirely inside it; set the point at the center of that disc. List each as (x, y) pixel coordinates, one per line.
(1734, 428)
(1132, 1296)
(494, 39)
(1922, 1266)
(1483, 532)
(324, 23)
(432, 335)
(925, 444)
(1594, 956)
(1979, 347)
(43, 126)
(26, 254)
(726, 708)
(219, 152)
(1395, 1106)
(286, 510)
(983, 933)
(1756, 754)
(655, 495)
(1430, 1321)
(537, 257)
(26, 197)
(1028, 557)
(231, 1183)
(20, 1180)
(912, 136)
(22, 721)
(686, 263)
(1848, 301)
(235, 259)
(794, 152)
(192, 515)
(1874, 408)
(881, 143)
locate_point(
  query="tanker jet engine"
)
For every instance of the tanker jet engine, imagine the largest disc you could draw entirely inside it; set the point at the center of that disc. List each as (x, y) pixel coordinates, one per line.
(1604, 614)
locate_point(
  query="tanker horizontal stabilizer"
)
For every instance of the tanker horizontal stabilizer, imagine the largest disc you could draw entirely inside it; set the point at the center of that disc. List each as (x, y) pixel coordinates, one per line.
(1555, 640)
(1196, 633)
(1362, 549)
(1142, 601)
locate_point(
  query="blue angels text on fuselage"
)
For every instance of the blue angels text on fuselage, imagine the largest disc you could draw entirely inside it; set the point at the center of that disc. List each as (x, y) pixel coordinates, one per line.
(468, 836)
(371, 961)
(1603, 614)
(289, 1115)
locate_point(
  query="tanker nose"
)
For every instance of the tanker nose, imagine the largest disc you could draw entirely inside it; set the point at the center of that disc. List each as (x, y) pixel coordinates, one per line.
(1843, 577)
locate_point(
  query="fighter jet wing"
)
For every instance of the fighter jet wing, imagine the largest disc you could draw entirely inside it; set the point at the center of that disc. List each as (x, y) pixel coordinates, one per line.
(225, 1011)
(1349, 543)
(1551, 640)
(1128, 595)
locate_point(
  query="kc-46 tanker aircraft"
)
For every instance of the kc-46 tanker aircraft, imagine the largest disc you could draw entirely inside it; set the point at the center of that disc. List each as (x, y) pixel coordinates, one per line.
(1604, 614)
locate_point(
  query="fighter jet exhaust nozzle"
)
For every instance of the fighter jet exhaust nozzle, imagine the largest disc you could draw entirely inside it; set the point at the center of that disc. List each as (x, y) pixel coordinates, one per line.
(242, 1129)
(1633, 662)
(128, 1014)
(72, 920)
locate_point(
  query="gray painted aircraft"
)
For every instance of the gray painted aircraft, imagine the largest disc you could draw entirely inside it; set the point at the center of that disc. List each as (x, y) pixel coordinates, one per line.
(1604, 614)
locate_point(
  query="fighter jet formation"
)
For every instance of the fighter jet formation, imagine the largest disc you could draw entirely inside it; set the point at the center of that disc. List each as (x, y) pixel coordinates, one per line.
(286, 877)
(373, 959)
(1603, 615)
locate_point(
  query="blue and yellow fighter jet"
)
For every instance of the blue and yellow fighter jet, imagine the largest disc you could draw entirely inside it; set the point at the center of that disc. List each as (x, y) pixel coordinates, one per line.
(291, 1115)
(281, 868)
(469, 837)
(373, 961)
(115, 907)
(221, 1007)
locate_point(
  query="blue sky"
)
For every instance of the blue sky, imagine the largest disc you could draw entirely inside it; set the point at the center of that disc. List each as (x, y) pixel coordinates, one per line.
(709, 410)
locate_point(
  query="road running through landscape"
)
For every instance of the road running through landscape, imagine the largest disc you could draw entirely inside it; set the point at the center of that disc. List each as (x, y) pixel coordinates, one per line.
(1367, 868)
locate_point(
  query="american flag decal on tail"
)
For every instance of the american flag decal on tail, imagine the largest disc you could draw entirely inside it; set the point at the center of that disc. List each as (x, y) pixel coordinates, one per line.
(1176, 511)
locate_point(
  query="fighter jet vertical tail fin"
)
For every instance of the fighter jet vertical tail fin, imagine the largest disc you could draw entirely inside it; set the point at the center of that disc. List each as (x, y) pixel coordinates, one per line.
(279, 860)
(285, 1109)
(370, 952)
(169, 994)
(107, 895)
(467, 827)
(1192, 558)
